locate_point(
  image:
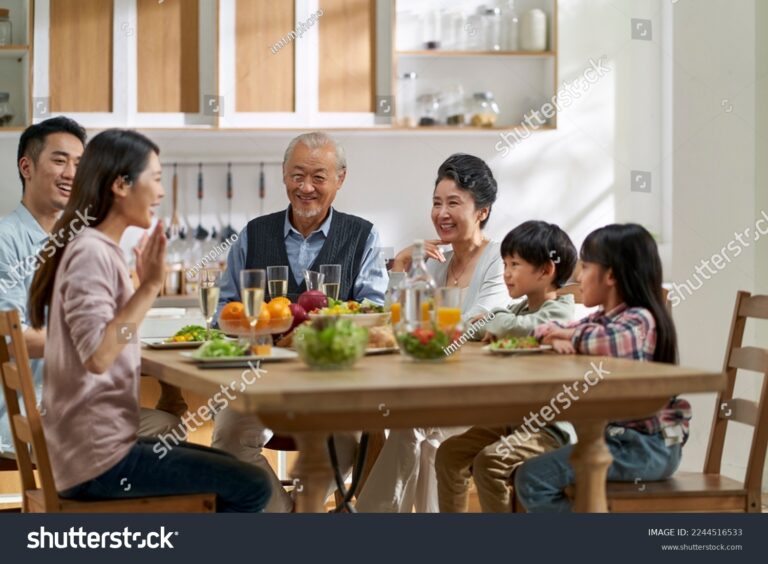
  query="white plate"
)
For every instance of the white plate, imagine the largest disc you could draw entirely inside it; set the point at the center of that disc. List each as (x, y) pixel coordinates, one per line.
(360, 319)
(381, 350)
(278, 354)
(159, 343)
(539, 349)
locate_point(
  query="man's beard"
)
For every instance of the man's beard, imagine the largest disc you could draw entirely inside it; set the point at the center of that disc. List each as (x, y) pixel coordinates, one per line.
(307, 214)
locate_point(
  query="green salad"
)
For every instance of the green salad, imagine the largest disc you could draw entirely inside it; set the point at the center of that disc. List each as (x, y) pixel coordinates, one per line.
(193, 333)
(425, 344)
(338, 307)
(515, 343)
(221, 348)
(330, 343)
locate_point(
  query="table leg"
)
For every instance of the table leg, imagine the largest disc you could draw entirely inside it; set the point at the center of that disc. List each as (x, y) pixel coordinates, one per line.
(312, 472)
(590, 460)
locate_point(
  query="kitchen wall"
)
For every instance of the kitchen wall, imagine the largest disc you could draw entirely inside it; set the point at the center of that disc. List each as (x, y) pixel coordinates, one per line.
(579, 175)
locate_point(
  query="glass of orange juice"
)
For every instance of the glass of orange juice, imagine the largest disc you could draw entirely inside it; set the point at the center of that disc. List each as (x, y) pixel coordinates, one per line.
(448, 308)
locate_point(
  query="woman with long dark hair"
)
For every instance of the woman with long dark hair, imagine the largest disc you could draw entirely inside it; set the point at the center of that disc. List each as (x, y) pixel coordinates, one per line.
(621, 273)
(90, 401)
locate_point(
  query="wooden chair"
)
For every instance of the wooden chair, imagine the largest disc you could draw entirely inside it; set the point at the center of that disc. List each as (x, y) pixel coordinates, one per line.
(28, 435)
(572, 289)
(710, 490)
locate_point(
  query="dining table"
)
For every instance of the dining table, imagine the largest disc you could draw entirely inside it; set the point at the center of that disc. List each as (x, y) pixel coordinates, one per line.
(470, 387)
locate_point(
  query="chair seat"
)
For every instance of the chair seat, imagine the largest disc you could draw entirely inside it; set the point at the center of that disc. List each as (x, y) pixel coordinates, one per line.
(681, 484)
(281, 442)
(192, 503)
(8, 464)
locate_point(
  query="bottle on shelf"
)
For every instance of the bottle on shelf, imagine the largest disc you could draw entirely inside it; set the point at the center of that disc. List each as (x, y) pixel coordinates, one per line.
(485, 111)
(430, 106)
(6, 29)
(491, 26)
(432, 27)
(417, 293)
(405, 103)
(6, 112)
(455, 106)
(533, 31)
(510, 25)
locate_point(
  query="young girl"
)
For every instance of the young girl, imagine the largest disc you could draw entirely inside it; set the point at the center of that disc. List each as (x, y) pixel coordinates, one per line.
(92, 358)
(621, 272)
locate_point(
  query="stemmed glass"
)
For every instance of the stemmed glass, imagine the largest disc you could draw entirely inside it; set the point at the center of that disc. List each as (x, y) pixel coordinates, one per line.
(252, 293)
(209, 287)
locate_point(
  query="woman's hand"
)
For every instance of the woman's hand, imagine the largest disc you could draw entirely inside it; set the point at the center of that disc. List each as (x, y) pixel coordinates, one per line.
(404, 258)
(150, 258)
(562, 346)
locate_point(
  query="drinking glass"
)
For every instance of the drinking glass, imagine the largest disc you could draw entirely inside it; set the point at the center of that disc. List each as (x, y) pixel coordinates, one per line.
(277, 277)
(208, 288)
(448, 308)
(332, 281)
(314, 280)
(252, 293)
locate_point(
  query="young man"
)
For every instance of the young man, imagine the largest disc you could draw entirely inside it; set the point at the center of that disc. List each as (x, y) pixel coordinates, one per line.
(48, 155)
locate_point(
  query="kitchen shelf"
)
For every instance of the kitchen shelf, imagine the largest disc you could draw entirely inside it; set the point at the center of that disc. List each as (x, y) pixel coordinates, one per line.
(438, 53)
(13, 51)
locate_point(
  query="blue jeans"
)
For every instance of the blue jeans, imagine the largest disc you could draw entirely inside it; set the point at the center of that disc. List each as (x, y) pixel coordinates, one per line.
(541, 481)
(185, 469)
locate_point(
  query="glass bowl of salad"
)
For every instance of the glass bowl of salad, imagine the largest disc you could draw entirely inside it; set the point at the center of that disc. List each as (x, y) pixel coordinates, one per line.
(427, 344)
(330, 344)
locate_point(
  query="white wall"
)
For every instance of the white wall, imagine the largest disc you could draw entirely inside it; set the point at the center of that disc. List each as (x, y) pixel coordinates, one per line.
(716, 162)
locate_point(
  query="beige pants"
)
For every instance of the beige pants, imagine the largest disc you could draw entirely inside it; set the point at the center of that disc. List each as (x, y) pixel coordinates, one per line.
(483, 453)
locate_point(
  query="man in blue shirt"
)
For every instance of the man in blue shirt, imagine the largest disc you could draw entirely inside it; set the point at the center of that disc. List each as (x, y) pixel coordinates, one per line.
(48, 155)
(309, 233)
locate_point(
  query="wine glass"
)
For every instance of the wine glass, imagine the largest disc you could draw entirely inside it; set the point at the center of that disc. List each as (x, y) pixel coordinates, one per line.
(332, 280)
(314, 280)
(209, 287)
(252, 293)
(277, 277)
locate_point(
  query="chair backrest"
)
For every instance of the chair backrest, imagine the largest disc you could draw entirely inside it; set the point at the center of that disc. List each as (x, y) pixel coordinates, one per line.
(749, 412)
(572, 289)
(27, 429)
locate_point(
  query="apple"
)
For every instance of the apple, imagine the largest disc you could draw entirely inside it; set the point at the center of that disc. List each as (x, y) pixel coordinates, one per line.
(299, 315)
(312, 300)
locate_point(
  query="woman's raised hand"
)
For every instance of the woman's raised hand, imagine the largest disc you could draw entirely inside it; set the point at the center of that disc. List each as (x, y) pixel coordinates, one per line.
(404, 258)
(151, 257)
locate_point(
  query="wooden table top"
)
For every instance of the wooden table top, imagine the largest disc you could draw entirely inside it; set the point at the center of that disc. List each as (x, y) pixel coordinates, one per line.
(471, 388)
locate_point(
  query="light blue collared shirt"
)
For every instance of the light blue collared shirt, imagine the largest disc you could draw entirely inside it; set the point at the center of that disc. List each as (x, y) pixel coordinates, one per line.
(302, 251)
(21, 238)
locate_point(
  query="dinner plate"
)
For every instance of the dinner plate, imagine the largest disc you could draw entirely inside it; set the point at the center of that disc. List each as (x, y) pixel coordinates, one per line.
(278, 354)
(160, 344)
(381, 350)
(507, 352)
(360, 319)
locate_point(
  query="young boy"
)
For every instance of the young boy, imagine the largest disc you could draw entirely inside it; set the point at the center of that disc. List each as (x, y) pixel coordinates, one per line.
(538, 258)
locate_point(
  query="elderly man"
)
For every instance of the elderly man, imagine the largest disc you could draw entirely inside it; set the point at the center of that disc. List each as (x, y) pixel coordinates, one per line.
(304, 236)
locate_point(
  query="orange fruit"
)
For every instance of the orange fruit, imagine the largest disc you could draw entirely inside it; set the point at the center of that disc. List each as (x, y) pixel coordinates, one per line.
(234, 312)
(278, 310)
(280, 300)
(264, 317)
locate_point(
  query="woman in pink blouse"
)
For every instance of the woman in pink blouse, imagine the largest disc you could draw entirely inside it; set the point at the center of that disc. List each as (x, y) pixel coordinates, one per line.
(92, 362)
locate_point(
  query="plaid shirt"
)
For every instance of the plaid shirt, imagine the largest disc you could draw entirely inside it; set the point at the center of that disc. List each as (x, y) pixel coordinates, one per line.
(626, 332)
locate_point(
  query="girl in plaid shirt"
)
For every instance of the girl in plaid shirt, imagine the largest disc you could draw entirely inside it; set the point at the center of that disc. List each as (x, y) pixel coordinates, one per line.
(621, 272)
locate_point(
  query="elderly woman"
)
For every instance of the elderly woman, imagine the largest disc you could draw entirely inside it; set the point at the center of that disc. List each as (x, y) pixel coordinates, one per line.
(464, 193)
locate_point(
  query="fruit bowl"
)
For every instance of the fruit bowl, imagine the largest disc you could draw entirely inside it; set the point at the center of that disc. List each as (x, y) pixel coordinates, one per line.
(359, 319)
(240, 328)
(330, 344)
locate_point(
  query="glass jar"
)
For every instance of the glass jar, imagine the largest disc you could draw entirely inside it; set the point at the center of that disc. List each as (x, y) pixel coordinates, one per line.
(429, 109)
(432, 28)
(533, 31)
(491, 26)
(6, 30)
(510, 26)
(455, 106)
(405, 103)
(485, 111)
(6, 112)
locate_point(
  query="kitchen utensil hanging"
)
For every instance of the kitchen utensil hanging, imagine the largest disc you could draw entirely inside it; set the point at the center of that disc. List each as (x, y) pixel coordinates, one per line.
(229, 231)
(201, 234)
